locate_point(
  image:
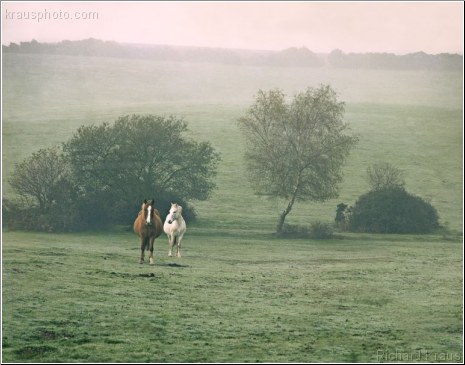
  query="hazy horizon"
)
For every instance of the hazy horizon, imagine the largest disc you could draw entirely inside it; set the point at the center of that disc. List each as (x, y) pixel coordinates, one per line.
(225, 48)
(353, 27)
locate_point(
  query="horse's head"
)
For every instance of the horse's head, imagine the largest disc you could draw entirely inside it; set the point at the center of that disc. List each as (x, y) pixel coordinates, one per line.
(149, 209)
(175, 213)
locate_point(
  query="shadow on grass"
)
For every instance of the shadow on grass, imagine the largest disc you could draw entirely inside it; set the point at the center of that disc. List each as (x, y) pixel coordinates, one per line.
(172, 264)
(126, 275)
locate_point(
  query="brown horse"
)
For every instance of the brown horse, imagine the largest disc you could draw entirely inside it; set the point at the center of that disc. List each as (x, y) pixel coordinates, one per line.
(148, 226)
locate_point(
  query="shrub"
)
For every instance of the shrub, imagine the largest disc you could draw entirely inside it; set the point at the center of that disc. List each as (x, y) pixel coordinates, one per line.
(58, 218)
(393, 210)
(317, 230)
(76, 215)
(342, 218)
(294, 231)
(320, 231)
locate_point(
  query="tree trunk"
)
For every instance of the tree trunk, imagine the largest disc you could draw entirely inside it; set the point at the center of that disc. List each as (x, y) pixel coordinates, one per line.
(282, 217)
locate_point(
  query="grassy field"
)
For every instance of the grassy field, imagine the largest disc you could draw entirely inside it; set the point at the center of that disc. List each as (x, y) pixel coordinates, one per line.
(238, 294)
(234, 296)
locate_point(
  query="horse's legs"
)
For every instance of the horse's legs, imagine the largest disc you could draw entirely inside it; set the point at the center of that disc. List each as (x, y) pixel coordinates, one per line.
(178, 251)
(170, 244)
(151, 244)
(142, 249)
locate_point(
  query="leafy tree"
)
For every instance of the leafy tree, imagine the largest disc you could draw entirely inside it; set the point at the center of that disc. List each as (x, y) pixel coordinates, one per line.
(296, 150)
(383, 175)
(115, 166)
(42, 178)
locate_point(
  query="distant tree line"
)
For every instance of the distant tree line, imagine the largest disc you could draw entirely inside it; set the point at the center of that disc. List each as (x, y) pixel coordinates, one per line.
(290, 57)
(100, 176)
(417, 60)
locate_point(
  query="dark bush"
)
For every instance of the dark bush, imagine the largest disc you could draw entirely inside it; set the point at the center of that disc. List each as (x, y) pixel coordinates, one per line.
(393, 210)
(342, 218)
(58, 218)
(78, 215)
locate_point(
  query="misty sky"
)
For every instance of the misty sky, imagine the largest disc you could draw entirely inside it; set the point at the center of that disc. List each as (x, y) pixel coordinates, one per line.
(398, 27)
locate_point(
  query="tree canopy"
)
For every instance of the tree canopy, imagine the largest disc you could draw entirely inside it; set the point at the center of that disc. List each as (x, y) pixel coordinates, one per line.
(141, 156)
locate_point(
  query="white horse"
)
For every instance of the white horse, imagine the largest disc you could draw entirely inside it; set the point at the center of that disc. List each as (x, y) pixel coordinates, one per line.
(174, 227)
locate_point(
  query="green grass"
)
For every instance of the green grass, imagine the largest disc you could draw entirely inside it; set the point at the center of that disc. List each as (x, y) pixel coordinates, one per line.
(233, 297)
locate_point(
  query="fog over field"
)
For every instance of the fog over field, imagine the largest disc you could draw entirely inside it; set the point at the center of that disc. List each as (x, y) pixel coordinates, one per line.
(406, 109)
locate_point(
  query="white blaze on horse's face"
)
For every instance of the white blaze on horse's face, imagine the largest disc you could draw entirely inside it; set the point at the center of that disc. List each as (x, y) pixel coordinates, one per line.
(149, 215)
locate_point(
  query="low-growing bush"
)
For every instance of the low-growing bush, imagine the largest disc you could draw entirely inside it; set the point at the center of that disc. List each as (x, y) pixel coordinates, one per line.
(317, 230)
(393, 210)
(76, 216)
(18, 216)
(294, 231)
